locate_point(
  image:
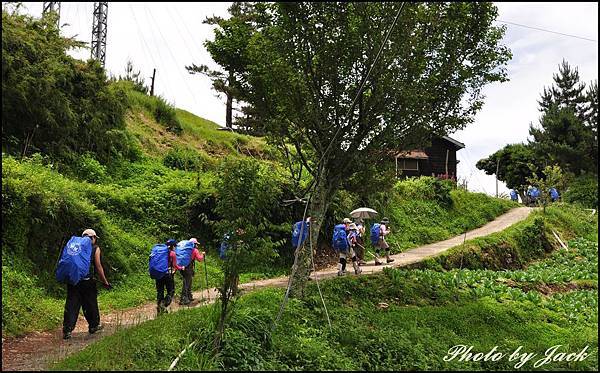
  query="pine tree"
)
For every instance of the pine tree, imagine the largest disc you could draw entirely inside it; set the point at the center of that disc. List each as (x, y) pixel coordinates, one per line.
(566, 92)
(567, 132)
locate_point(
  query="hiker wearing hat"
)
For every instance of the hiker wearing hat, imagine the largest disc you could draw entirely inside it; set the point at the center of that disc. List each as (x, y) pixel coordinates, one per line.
(84, 293)
(167, 281)
(188, 273)
(352, 239)
(384, 230)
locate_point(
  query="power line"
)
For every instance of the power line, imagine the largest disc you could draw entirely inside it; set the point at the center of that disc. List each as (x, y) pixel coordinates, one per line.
(171, 54)
(550, 31)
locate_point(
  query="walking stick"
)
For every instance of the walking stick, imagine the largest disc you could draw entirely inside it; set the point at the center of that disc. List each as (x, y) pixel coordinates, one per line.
(367, 250)
(206, 278)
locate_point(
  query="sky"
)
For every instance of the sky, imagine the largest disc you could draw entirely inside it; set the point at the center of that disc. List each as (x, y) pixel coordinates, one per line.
(168, 36)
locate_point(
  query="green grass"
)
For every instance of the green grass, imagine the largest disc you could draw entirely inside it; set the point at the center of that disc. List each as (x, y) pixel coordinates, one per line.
(428, 312)
(132, 206)
(419, 221)
(521, 243)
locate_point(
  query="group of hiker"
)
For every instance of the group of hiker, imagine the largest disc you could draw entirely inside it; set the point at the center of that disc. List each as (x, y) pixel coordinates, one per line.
(165, 260)
(533, 194)
(80, 262)
(348, 241)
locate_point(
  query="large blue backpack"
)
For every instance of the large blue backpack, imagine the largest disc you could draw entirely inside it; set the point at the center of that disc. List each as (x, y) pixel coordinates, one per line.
(340, 239)
(554, 194)
(299, 227)
(375, 232)
(158, 265)
(184, 252)
(74, 263)
(514, 196)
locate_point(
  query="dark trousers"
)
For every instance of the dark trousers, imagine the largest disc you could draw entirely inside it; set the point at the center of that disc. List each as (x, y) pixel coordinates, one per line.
(186, 288)
(83, 295)
(166, 282)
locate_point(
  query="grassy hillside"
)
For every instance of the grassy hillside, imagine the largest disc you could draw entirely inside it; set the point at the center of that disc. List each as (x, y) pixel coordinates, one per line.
(400, 319)
(167, 192)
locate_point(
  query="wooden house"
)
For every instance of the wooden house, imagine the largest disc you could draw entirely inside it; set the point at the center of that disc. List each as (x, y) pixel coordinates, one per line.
(438, 159)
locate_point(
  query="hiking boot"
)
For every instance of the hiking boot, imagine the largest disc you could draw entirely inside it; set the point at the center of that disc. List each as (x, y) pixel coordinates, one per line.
(185, 302)
(389, 260)
(361, 262)
(96, 329)
(341, 273)
(378, 263)
(66, 335)
(358, 271)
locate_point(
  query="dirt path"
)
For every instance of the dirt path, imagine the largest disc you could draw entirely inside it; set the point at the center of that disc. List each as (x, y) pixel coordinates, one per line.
(36, 351)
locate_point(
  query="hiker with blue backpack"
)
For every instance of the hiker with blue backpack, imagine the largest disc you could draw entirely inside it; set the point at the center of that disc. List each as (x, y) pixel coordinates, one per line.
(554, 196)
(162, 268)
(341, 244)
(79, 262)
(187, 252)
(378, 233)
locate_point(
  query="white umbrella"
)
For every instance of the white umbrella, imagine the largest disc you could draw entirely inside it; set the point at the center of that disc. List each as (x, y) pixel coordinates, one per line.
(364, 213)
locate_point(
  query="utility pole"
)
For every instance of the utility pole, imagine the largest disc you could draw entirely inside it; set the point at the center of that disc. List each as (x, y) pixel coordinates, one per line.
(497, 167)
(152, 86)
(99, 32)
(52, 6)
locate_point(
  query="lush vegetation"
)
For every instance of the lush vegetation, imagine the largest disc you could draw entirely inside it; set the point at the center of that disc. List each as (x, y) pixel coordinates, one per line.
(400, 319)
(567, 137)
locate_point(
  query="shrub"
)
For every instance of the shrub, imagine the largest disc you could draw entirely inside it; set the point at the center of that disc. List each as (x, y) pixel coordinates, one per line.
(583, 191)
(183, 159)
(89, 169)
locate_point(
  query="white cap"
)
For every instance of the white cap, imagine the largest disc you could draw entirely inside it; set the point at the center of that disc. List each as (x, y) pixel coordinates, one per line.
(346, 220)
(89, 232)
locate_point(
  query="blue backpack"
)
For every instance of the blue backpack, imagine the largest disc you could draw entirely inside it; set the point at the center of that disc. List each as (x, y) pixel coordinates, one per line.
(158, 265)
(340, 239)
(554, 194)
(183, 250)
(514, 195)
(75, 260)
(296, 239)
(375, 232)
(534, 193)
(224, 246)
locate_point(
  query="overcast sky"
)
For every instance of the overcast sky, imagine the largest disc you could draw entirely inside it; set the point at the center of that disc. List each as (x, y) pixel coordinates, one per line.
(169, 36)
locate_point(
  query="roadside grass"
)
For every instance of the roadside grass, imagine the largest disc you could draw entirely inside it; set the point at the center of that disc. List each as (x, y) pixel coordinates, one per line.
(419, 221)
(396, 320)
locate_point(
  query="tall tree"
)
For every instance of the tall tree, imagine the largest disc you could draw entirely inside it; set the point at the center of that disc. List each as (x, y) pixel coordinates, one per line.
(566, 92)
(513, 164)
(567, 134)
(308, 62)
(228, 49)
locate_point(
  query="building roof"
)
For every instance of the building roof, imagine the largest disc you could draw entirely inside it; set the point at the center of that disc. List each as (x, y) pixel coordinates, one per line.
(458, 144)
(412, 154)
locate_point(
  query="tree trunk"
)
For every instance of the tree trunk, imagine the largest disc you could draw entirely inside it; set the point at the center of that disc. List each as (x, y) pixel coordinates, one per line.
(229, 107)
(320, 201)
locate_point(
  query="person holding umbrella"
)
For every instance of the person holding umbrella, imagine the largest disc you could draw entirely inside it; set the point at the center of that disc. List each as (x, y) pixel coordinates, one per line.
(360, 214)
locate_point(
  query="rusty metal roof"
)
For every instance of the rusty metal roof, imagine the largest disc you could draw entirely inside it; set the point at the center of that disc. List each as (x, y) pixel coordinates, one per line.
(412, 154)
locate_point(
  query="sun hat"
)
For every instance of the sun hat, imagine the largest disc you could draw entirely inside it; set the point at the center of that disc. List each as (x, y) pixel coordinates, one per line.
(352, 226)
(90, 233)
(346, 220)
(193, 240)
(171, 242)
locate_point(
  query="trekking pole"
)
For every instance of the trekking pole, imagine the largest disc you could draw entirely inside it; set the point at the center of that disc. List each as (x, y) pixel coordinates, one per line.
(206, 278)
(367, 250)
